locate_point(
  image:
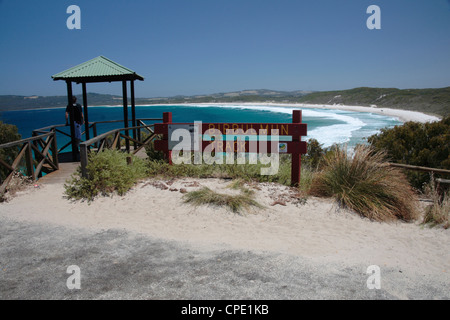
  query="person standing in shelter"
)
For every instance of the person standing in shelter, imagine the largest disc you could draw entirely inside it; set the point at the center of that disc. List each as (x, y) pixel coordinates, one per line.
(78, 119)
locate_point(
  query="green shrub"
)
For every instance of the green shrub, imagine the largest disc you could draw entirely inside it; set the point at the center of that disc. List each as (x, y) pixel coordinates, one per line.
(108, 172)
(314, 155)
(366, 184)
(8, 133)
(150, 149)
(418, 144)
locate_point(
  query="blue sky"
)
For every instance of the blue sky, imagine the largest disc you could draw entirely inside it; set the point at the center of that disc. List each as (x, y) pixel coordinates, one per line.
(208, 46)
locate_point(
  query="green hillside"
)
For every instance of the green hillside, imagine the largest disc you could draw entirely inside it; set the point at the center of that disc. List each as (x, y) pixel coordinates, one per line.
(10, 102)
(432, 101)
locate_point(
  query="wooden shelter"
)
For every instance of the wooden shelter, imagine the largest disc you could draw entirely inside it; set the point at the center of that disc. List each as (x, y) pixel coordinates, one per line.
(99, 69)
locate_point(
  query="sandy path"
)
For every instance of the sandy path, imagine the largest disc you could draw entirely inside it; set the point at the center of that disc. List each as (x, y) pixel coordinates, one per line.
(317, 230)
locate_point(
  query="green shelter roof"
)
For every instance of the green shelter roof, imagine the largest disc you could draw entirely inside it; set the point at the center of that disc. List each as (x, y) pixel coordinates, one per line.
(99, 69)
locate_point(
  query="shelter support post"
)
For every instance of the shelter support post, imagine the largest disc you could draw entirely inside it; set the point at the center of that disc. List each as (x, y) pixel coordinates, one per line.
(133, 112)
(125, 113)
(71, 121)
(85, 108)
(167, 119)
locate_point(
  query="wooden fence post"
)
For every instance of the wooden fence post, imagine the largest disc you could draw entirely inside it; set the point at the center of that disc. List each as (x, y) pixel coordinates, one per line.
(55, 150)
(296, 157)
(29, 161)
(167, 119)
(83, 160)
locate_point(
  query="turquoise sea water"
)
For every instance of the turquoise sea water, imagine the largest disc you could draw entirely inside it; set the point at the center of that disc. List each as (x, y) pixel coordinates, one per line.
(327, 126)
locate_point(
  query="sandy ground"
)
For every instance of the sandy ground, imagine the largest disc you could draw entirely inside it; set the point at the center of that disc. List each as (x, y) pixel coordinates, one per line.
(415, 261)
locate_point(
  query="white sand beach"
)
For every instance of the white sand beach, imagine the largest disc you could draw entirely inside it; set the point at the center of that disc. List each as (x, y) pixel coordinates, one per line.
(400, 114)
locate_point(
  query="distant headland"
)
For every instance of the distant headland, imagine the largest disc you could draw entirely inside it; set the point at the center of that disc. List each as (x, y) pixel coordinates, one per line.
(430, 101)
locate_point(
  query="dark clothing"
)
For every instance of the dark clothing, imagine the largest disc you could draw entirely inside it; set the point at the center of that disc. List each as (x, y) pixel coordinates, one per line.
(77, 113)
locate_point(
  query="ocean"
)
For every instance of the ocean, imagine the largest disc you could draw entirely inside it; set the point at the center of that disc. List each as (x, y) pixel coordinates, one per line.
(327, 126)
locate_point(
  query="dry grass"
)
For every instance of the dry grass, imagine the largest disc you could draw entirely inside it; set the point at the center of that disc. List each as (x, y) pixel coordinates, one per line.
(438, 213)
(236, 203)
(366, 184)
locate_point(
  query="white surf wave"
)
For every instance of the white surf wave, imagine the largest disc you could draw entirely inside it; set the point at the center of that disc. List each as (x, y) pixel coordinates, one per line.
(326, 135)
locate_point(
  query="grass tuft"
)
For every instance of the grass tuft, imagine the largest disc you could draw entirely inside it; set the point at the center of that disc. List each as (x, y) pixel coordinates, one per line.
(236, 203)
(366, 184)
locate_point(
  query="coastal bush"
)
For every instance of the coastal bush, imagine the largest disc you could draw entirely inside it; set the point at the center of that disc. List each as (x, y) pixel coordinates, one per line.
(314, 155)
(366, 184)
(108, 172)
(413, 143)
(150, 149)
(8, 133)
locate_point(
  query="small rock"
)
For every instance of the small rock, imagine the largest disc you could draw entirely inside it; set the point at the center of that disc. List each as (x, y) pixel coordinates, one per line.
(156, 184)
(162, 186)
(282, 203)
(192, 184)
(170, 182)
(183, 190)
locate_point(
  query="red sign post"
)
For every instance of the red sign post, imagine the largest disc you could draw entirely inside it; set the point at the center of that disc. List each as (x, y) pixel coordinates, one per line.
(296, 130)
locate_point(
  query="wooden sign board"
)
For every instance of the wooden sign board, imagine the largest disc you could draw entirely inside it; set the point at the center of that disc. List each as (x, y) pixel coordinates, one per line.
(238, 131)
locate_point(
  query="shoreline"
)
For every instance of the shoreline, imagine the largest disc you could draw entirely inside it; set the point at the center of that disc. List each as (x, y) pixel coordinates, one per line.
(401, 114)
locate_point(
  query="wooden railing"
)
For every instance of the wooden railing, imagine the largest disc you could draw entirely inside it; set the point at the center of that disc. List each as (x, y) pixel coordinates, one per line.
(418, 168)
(40, 154)
(441, 185)
(53, 128)
(92, 126)
(115, 139)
